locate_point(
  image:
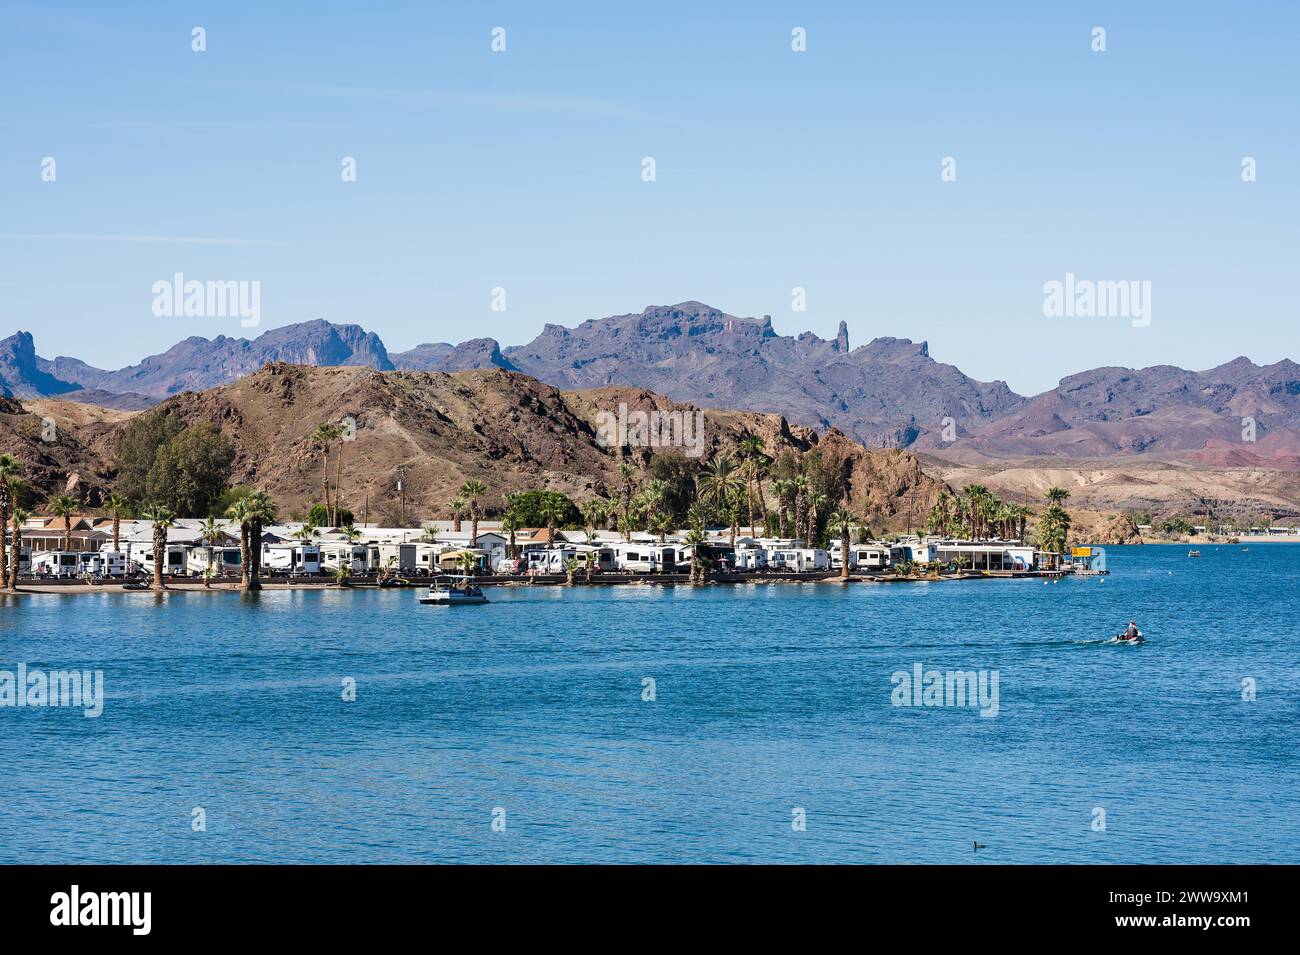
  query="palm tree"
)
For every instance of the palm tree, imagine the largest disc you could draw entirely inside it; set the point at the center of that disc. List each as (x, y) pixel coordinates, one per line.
(816, 501)
(19, 517)
(306, 532)
(471, 491)
(325, 435)
(753, 450)
(653, 496)
(161, 518)
(341, 575)
(661, 524)
(9, 469)
(628, 475)
(842, 520)
(694, 539)
(262, 510)
(1057, 495)
(721, 484)
(782, 488)
(351, 533)
(554, 510)
(571, 571)
(64, 506)
(242, 512)
(457, 507)
(211, 534)
(468, 562)
(799, 488)
(117, 505)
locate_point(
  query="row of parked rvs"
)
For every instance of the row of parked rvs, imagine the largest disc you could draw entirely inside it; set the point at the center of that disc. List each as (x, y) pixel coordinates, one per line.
(640, 557)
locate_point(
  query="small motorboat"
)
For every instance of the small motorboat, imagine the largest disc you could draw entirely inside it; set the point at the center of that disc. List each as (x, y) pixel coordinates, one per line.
(1193, 553)
(449, 591)
(1140, 638)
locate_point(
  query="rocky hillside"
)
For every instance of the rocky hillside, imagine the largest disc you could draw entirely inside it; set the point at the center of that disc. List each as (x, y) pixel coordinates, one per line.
(433, 430)
(62, 446)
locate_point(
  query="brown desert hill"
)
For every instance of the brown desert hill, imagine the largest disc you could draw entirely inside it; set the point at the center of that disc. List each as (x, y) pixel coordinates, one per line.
(60, 445)
(434, 430)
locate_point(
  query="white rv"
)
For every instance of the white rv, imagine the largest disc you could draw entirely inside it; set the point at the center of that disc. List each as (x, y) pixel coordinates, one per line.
(294, 559)
(401, 558)
(175, 558)
(57, 563)
(798, 559)
(225, 561)
(354, 558)
(861, 556)
(108, 563)
(645, 558)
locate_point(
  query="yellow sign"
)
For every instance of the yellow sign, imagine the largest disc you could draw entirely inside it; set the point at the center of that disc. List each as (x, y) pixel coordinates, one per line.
(1081, 552)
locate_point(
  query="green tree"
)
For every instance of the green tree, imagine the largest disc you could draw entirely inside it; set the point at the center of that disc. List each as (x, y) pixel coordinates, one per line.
(535, 508)
(138, 447)
(190, 471)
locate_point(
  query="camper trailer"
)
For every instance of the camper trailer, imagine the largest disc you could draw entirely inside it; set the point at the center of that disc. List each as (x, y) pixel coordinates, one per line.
(400, 558)
(291, 559)
(646, 558)
(57, 563)
(354, 558)
(174, 560)
(862, 557)
(798, 559)
(225, 561)
(108, 563)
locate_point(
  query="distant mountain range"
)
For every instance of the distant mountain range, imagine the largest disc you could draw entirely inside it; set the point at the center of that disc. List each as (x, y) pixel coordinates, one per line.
(887, 393)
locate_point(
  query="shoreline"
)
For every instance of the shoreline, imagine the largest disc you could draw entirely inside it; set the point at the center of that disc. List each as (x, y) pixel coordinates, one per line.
(72, 587)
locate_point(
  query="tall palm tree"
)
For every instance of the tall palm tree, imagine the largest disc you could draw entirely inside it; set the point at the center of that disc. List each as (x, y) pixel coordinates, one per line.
(471, 491)
(694, 539)
(721, 484)
(457, 508)
(782, 488)
(262, 511)
(242, 512)
(9, 469)
(64, 506)
(211, 534)
(325, 435)
(627, 474)
(799, 488)
(817, 501)
(753, 451)
(1057, 495)
(653, 496)
(842, 520)
(661, 524)
(18, 517)
(161, 518)
(117, 505)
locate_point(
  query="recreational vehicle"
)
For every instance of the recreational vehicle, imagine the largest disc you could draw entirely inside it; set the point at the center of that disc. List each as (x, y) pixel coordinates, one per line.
(798, 559)
(646, 558)
(863, 557)
(174, 560)
(225, 561)
(354, 558)
(58, 563)
(293, 559)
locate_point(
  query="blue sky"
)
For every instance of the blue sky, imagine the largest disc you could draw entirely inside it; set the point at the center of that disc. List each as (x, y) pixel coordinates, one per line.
(775, 169)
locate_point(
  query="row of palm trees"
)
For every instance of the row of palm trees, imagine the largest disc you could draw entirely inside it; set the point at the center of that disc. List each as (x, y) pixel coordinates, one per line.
(976, 513)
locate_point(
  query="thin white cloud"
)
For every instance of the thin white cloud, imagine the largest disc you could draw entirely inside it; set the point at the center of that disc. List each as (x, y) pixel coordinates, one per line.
(162, 239)
(547, 103)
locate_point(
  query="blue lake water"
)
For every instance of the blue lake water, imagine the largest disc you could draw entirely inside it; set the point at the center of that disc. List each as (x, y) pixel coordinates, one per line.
(769, 698)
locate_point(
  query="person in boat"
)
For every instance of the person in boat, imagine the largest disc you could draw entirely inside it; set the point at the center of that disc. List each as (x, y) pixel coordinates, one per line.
(1132, 633)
